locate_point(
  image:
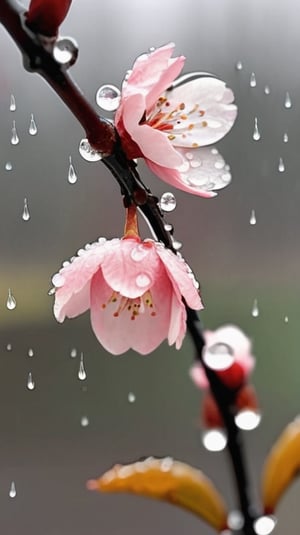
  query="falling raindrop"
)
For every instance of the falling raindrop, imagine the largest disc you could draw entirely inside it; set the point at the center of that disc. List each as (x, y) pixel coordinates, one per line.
(108, 97)
(281, 166)
(30, 352)
(11, 302)
(239, 65)
(30, 382)
(12, 491)
(88, 153)
(81, 371)
(65, 51)
(14, 137)
(267, 90)
(285, 137)
(287, 101)
(72, 176)
(167, 202)
(8, 347)
(84, 422)
(214, 440)
(252, 218)
(26, 214)
(32, 126)
(131, 397)
(256, 133)
(73, 353)
(12, 105)
(255, 309)
(252, 80)
(286, 319)
(8, 166)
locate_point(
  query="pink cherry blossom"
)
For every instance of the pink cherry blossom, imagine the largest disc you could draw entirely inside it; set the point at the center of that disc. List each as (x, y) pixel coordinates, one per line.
(134, 289)
(244, 361)
(171, 126)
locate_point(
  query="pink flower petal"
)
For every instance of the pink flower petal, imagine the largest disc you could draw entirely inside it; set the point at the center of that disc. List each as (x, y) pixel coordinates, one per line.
(177, 327)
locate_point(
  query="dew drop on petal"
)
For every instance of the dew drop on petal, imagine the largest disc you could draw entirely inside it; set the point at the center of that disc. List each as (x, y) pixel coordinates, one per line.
(65, 51)
(142, 280)
(281, 166)
(131, 397)
(256, 133)
(247, 419)
(73, 353)
(167, 202)
(252, 218)
(81, 371)
(14, 135)
(139, 252)
(286, 319)
(285, 137)
(72, 176)
(264, 525)
(30, 382)
(214, 440)
(12, 104)
(255, 309)
(287, 101)
(235, 520)
(84, 421)
(58, 280)
(11, 302)
(88, 153)
(239, 65)
(32, 126)
(25, 214)
(252, 80)
(30, 352)
(267, 90)
(219, 356)
(12, 491)
(8, 166)
(108, 97)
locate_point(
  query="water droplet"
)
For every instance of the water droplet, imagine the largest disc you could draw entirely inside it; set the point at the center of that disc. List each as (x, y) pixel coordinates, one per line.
(30, 352)
(72, 176)
(281, 166)
(65, 51)
(12, 491)
(12, 105)
(8, 347)
(264, 525)
(84, 422)
(286, 319)
(73, 353)
(214, 440)
(287, 101)
(235, 520)
(51, 291)
(176, 245)
(267, 90)
(255, 309)
(14, 135)
(8, 166)
(248, 419)
(58, 280)
(26, 214)
(81, 371)
(256, 133)
(239, 65)
(167, 202)
(32, 126)
(139, 252)
(131, 397)
(88, 153)
(252, 80)
(168, 227)
(252, 218)
(30, 382)
(108, 97)
(143, 280)
(11, 302)
(285, 137)
(219, 356)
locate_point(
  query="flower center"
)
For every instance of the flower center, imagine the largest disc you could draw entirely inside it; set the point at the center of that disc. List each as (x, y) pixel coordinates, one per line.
(134, 307)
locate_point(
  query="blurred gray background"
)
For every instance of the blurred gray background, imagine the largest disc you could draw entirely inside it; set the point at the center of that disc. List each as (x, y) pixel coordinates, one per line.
(43, 446)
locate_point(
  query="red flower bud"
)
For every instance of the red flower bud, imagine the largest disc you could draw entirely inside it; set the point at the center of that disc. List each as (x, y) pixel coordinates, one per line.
(246, 398)
(45, 16)
(211, 417)
(233, 377)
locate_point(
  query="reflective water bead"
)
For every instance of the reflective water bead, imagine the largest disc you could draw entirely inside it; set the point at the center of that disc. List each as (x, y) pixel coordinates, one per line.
(32, 126)
(8, 347)
(287, 101)
(73, 353)
(30, 352)
(248, 419)
(12, 491)
(11, 301)
(108, 97)
(131, 397)
(142, 280)
(65, 51)
(14, 135)
(252, 218)
(8, 166)
(72, 176)
(168, 227)
(219, 356)
(281, 166)
(167, 202)
(84, 422)
(30, 382)
(139, 252)
(25, 214)
(256, 133)
(255, 309)
(286, 319)
(235, 520)
(214, 440)
(285, 137)
(239, 65)
(176, 245)
(267, 90)
(252, 80)
(88, 153)
(81, 371)
(264, 525)
(12, 105)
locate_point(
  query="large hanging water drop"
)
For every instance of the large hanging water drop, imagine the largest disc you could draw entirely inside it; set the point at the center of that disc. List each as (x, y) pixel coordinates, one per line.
(255, 309)
(14, 135)
(281, 166)
(88, 153)
(256, 133)
(11, 302)
(252, 218)
(65, 51)
(167, 202)
(81, 371)
(30, 382)
(25, 214)
(32, 126)
(108, 97)
(12, 491)
(72, 176)
(252, 80)
(287, 101)
(12, 105)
